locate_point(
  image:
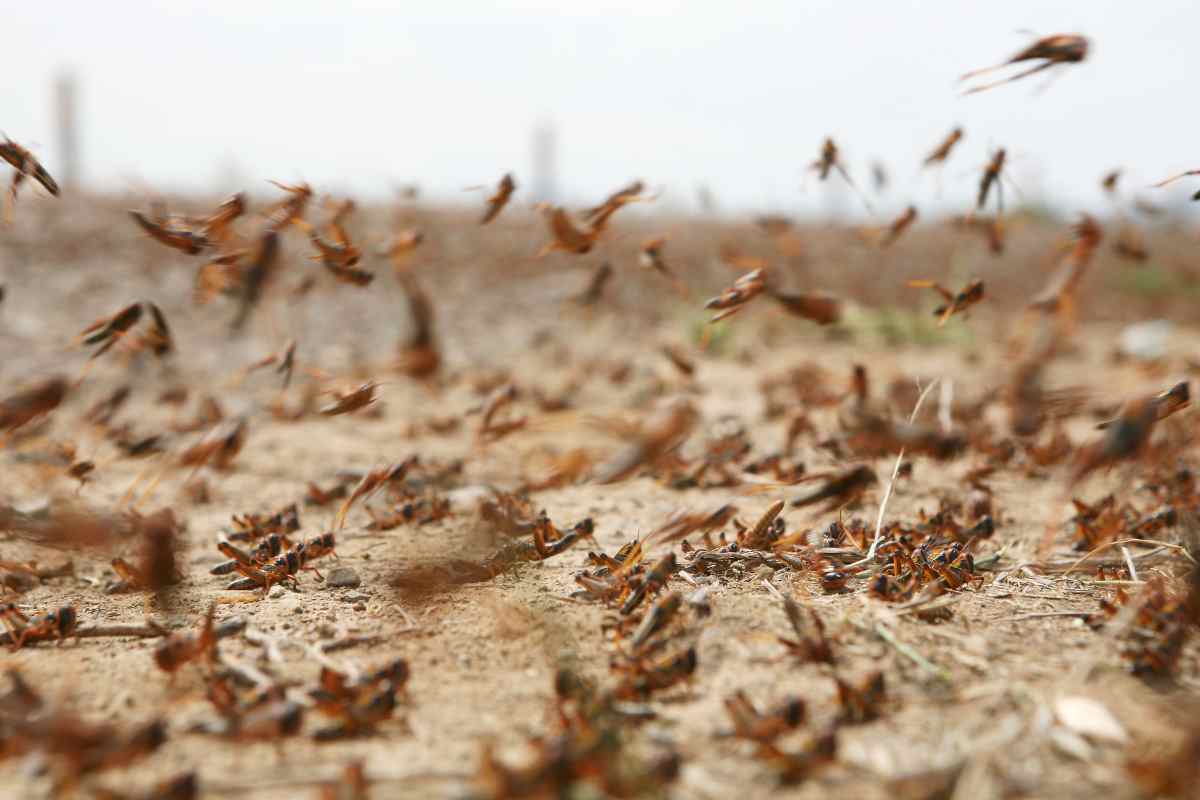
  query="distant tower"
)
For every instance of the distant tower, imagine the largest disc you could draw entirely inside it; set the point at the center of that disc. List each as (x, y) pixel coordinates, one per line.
(65, 99)
(544, 178)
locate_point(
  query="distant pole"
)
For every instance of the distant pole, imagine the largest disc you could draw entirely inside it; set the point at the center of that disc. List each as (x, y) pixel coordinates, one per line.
(66, 99)
(544, 177)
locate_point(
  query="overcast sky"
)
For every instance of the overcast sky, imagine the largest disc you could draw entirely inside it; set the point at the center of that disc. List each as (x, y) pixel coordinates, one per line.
(361, 96)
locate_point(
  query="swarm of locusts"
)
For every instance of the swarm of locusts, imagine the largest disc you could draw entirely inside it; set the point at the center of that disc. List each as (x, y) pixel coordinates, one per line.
(612, 565)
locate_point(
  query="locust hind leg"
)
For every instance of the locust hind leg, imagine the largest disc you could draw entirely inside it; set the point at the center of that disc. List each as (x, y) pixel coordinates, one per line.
(1011, 78)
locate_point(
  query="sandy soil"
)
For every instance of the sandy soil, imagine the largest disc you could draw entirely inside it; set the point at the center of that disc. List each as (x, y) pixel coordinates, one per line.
(970, 700)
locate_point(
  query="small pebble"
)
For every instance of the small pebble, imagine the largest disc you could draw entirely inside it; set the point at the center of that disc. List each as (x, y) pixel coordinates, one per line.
(277, 591)
(343, 578)
(356, 597)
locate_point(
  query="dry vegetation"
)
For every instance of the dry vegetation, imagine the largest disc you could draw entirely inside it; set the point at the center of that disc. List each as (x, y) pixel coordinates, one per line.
(586, 542)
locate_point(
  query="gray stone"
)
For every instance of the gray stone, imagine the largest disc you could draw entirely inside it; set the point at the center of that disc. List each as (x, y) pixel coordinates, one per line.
(1146, 341)
(343, 578)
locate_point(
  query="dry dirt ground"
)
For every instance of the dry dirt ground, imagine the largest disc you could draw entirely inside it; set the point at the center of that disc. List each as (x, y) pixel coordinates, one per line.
(972, 701)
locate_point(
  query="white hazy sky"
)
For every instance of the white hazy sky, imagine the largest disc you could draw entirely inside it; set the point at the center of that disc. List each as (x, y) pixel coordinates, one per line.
(361, 96)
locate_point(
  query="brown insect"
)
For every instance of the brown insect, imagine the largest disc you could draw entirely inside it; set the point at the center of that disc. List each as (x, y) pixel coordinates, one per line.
(679, 359)
(26, 165)
(1127, 435)
(179, 649)
(861, 703)
(287, 364)
(943, 150)
(81, 471)
(797, 766)
(266, 719)
(156, 567)
(107, 331)
(268, 549)
(830, 159)
(1109, 182)
(733, 299)
(666, 428)
(499, 199)
(256, 276)
(491, 428)
(177, 238)
(956, 302)
(339, 255)
(656, 619)
(879, 176)
(594, 291)
(420, 511)
(77, 749)
(218, 226)
(291, 208)
(352, 400)
(221, 275)
(683, 523)
(1131, 243)
(765, 532)
(651, 257)
(252, 527)
(1059, 292)
(157, 338)
(567, 236)
(353, 784)
(358, 717)
(184, 786)
(316, 496)
(419, 356)
(841, 489)
(55, 625)
(30, 404)
(653, 582)
(898, 226)
(1176, 772)
(1173, 178)
(372, 482)
(399, 249)
(991, 177)
(657, 675)
(219, 448)
(154, 336)
(833, 581)
(1051, 50)
(763, 727)
(283, 568)
(630, 193)
(547, 541)
(571, 238)
(819, 308)
(284, 362)
(134, 446)
(586, 755)
(810, 645)
(102, 411)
